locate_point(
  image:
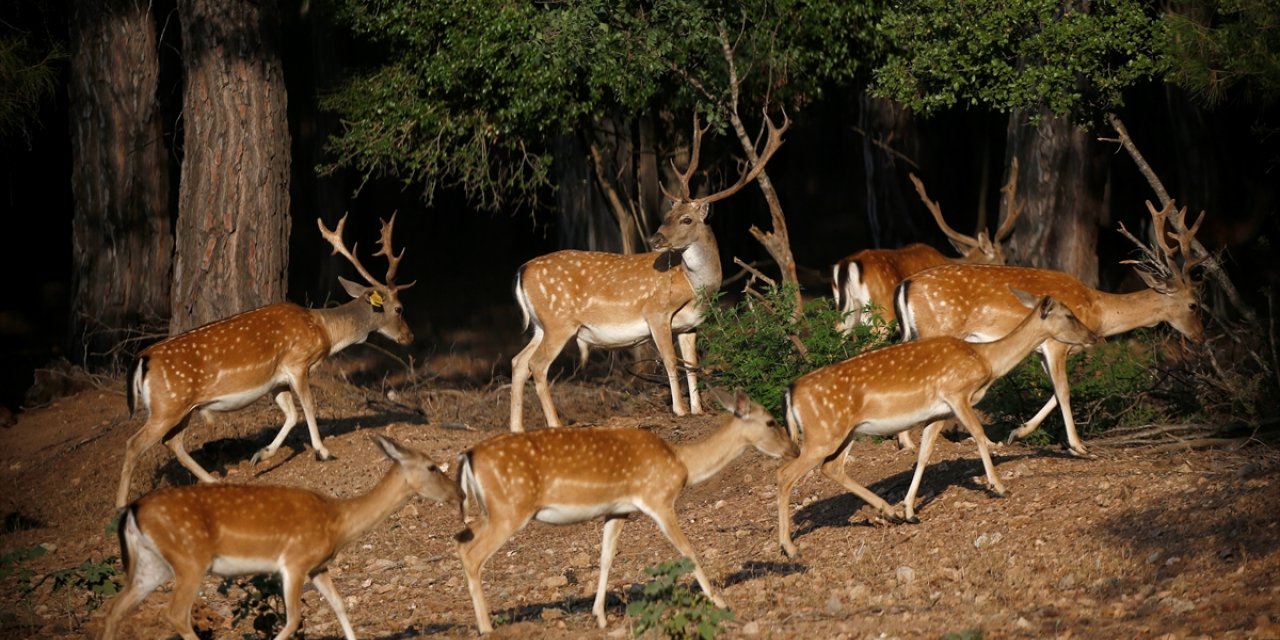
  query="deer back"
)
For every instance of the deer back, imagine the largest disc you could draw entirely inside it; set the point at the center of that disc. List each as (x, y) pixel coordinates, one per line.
(231, 362)
(584, 472)
(976, 302)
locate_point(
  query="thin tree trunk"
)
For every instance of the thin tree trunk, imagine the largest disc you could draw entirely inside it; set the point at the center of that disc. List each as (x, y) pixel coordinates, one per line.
(233, 224)
(122, 244)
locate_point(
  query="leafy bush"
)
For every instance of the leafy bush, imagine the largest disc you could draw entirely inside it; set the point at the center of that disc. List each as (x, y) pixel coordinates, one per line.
(12, 564)
(761, 345)
(96, 578)
(1112, 385)
(670, 609)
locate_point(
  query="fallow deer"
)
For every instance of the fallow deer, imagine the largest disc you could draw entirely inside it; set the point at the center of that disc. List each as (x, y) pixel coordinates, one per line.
(883, 392)
(869, 277)
(230, 363)
(615, 300)
(972, 302)
(235, 529)
(565, 476)
(866, 279)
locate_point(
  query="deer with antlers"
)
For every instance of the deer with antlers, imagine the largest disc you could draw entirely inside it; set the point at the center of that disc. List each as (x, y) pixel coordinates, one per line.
(230, 363)
(867, 278)
(234, 529)
(972, 302)
(888, 390)
(616, 301)
(566, 476)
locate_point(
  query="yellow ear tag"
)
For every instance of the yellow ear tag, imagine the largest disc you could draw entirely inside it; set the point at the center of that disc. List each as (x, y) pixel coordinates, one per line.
(375, 299)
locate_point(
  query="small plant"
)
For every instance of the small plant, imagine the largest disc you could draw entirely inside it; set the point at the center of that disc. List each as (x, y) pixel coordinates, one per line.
(761, 344)
(12, 564)
(96, 578)
(670, 609)
(262, 603)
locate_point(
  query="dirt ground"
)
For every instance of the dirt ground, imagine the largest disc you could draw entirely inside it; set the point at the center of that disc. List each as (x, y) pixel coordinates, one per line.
(1133, 543)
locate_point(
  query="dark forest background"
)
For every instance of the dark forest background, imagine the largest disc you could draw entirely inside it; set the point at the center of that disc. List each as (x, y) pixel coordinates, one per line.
(1221, 159)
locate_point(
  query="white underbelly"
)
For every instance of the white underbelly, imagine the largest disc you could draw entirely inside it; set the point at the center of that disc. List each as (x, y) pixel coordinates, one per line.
(616, 334)
(242, 398)
(894, 424)
(236, 566)
(572, 513)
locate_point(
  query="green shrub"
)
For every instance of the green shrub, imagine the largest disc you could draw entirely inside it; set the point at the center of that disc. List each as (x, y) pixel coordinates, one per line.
(98, 579)
(670, 609)
(12, 565)
(752, 345)
(1113, 385)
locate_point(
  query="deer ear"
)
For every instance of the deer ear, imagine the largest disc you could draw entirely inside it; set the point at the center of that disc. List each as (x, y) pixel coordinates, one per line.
(354, 289)
(1029, 301)
(389, 447)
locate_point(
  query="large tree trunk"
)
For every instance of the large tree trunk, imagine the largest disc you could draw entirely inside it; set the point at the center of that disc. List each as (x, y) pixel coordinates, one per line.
(233, 223)
(1062, 180)
(889, 147)
(122, 245)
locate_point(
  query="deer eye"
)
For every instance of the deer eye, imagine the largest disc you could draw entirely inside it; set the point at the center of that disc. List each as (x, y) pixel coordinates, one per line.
(1194, 306)
(686, 221)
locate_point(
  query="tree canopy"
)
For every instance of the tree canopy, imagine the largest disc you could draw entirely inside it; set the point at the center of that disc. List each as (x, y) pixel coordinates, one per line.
(470, 93)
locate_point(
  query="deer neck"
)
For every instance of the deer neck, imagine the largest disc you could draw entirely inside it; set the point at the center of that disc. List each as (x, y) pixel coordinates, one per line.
(1004, 354)
(1121, 312)
(361, 513)
(702, 264)
(708, 456)
(345, 324)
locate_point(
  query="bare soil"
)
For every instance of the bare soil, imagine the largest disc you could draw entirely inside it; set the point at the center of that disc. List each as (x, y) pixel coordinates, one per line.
(1133, 543)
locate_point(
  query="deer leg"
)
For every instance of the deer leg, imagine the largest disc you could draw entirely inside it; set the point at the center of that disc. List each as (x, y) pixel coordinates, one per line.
(292, 587)
(665, 516)
(301, 385)
(187, 574)
(904, 441)
(809, 458)
(1056, 363)
(485, 540)
(177, 445)
(834, 467)
(584, 351)
(520, 376)
(660, 330)
(285, 401)
(539, 363)
(689, 355)
(146, 570)
(608, 548)
(151, 433)
(965, 414)
(927, 439)
(324, 584)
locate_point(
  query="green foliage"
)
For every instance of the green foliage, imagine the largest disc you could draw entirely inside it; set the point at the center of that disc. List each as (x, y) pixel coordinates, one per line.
(1021, 54)
(96, 578)
(262, 602)
(12, 565)
(670, 609)
(1210, 47)
(967, 634)
(472, 94)
(752, 345)
(1112, 386)
(30, 74)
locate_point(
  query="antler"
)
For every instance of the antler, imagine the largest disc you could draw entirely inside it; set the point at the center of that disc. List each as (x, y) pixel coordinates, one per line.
(685, 175)
(334, 236)
(1015, 209)
(1164, 263)
(762, 158)
(936, 210)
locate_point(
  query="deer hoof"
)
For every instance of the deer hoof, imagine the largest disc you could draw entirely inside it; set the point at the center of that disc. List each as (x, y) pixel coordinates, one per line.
(324, 454)
(1080, 452)
(259, 456)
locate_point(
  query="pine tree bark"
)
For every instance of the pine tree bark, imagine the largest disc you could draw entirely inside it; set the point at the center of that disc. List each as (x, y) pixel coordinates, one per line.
(233, 222)
(1062, 179)
(122, 244)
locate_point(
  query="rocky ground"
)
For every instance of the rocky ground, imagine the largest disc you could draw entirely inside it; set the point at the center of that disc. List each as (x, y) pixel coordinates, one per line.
(1134, 543)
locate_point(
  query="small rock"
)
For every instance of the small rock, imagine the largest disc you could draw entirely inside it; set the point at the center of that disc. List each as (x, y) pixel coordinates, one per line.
(751, 628)
(552, 613)
(1022, 623)
(987, 540)
(49, 547)
(905, 575)
(1068, 581)
(580, 559)
(720, 504)
(834, 606)
(555, 582)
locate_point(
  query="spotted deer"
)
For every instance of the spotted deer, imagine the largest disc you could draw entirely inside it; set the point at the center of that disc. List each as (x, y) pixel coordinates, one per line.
(228, 364)
(972, 302)
(615, 300)
(869, 277)
(235, 529)
(866, 279)
(566, 476)
(887, 390)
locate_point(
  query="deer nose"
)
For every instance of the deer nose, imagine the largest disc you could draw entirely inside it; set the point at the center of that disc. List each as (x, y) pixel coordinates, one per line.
(659, 242)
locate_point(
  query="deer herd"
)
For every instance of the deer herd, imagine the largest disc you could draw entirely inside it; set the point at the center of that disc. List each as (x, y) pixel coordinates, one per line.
(965, 323)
